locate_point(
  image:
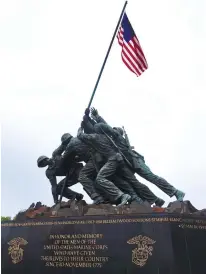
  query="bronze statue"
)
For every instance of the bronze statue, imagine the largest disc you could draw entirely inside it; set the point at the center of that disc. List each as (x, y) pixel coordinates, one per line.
(56, 168)
(136, 160)
(110, 164)
(77, 148)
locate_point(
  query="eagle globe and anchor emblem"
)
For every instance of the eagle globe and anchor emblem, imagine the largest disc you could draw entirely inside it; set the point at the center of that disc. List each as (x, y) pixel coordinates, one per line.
(141, 254)
(15, 250)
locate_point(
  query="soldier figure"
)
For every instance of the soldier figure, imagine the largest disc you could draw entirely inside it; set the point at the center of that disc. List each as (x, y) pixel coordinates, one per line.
(110, 166)
(87, 175)
(122, 176)
(136, 159)
(56, 167)
(54, 170)
(101, 145)
(112, 162)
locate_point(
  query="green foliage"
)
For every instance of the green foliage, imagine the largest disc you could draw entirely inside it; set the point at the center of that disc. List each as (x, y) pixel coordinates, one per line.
(3, 219)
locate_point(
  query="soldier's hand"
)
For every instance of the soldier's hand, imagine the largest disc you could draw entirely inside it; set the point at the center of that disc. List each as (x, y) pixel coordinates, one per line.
(87, 111)
(82, 124)
(94, 112)
(85, 118)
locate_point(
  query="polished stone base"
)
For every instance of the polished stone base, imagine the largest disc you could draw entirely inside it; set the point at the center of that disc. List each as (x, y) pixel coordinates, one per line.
(145, 243)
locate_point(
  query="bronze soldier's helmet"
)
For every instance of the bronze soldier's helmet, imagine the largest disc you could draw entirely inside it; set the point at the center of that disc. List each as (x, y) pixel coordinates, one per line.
(119, 129)
(66, 137)
(40, 160)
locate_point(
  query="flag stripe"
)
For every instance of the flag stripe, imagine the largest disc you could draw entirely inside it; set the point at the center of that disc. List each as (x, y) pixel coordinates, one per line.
(132, 54)
(137, 54)
(131, 60)
(137, 44)
(128, 59)
(131, 51)
(134, 57)
(126, 63)
(120, 37)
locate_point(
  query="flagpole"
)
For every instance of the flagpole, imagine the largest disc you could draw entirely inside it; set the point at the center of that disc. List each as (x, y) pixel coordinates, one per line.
(105, 59)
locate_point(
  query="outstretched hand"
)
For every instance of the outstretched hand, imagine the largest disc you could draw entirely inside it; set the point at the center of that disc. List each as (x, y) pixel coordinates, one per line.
(94, 112)
(87, 111)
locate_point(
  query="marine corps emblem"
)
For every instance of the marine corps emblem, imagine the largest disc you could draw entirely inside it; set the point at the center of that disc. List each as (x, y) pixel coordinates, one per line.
(141, 254)
(15, 250)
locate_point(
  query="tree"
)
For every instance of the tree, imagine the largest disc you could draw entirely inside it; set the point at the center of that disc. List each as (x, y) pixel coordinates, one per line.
(3, 219)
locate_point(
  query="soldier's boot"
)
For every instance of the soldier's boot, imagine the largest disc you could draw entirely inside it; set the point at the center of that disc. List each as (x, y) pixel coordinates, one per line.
(106, 202)
(133, 198)
(125, 198)
(98, 200)
(179, 195)
(138, 200)
(159, 202)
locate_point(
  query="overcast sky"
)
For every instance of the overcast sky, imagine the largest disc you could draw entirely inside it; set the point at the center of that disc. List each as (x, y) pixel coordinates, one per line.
(50, 57)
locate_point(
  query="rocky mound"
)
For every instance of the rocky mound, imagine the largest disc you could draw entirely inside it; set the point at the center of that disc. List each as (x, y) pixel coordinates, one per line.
(81, 208)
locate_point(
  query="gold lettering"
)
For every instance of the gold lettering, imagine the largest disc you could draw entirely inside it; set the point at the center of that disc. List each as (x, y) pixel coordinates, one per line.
(111, 221)
(200, 221)
(67, 264)
(51, 247)
(75, 236)
(75, 242)
(91, 242)
(96, 265)
(192, 226)
(174, 219)
(75, 250)
(77, 259)
(49, 264)
(74, 253)
(87, 253)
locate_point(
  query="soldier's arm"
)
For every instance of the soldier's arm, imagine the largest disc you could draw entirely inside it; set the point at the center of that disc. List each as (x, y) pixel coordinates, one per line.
(106, 128)
(51, 177)
(69, 150)
(88, 125)
(59, 151)
(86, 138)
(92, 121)
(99, 119)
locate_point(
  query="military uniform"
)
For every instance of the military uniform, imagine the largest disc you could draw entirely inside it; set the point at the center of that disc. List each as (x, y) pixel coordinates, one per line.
(54, 170)
(136, 159)
(113, 161)
(88, 173)
(126, 171)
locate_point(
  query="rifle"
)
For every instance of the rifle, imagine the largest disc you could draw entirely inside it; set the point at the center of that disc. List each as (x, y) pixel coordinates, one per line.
(126, 137)
(134, 154)
(129, 148)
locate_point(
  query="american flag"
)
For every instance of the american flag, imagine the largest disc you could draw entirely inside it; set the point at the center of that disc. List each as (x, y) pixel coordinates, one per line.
(132, 54)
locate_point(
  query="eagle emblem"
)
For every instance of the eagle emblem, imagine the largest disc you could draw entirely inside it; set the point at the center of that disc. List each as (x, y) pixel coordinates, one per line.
(144, 248)
(15, 250)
